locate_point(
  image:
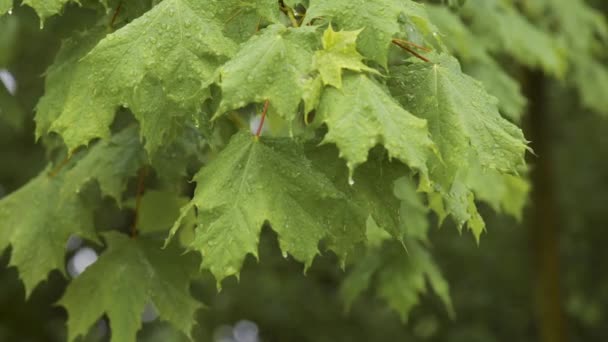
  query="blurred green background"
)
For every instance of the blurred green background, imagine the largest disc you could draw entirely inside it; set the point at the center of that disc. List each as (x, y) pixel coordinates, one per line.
(546, 272)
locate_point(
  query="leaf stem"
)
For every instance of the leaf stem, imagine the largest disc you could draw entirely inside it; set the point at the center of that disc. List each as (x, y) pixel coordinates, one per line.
(407, 42)
(289, 12)
(259, 130)
(116, 12)
(406, 48)
(141, 177)
(60, 166)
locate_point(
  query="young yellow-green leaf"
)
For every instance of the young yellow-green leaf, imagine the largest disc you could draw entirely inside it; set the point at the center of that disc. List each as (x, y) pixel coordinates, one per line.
(37, 225)
(127, 276)
(465, 124)
(398, 277)
(378, 20)
(272, 66)
(110, 162)
(339, 52)
(160, 66)
(362, 115)
(251, 182)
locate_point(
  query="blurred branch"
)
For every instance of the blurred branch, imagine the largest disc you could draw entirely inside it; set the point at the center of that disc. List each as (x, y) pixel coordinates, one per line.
(543, 223)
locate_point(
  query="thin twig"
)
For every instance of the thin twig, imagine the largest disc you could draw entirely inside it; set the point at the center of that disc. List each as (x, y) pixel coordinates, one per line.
(407, 42)
(406, 48)
(115, 14)
(289, 12)
(60, 166)
(259, 130)
(257, 27)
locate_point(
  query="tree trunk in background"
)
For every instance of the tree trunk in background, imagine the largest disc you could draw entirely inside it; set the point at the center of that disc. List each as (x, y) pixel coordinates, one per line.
(543, 222)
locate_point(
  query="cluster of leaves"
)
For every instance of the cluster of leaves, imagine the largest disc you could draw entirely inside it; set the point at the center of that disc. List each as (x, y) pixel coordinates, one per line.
(366, 137)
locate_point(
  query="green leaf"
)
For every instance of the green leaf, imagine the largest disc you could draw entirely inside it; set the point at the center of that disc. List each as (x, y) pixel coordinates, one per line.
(260, 71)
(478, 62)
(499, 27)
(504, 193)
(46, 8)
(401, 281)
(339, 52)
(251, 182)
(243, 18)
(379, 190)
(127, 276)
(465, 124)
(591, 79)
(5, 6)
(159, 210)
(497, 82)
(377, 19)
(172, 162)
(160, 66)
(362, 115)
(37, 225)
(65, 80)
(399, 278)
(110, 162)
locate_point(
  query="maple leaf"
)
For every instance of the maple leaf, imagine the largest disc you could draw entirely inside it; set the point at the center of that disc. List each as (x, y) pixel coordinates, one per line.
(378, 20)
(65, 77)
(45, 8)
(339, 52)
(362, 114)
(379, 190)
(243, 18)
(160, 66)
(5, 6)
(251, 182)
(129, 274)
(37, 225)
(399, 278)
(503, 192)
(259, 72)
(110, 162)
(591, 79)
(499, 27)
(477, 62)
(465, 124)
(11, 112)
(511, 101)
(158, 210)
